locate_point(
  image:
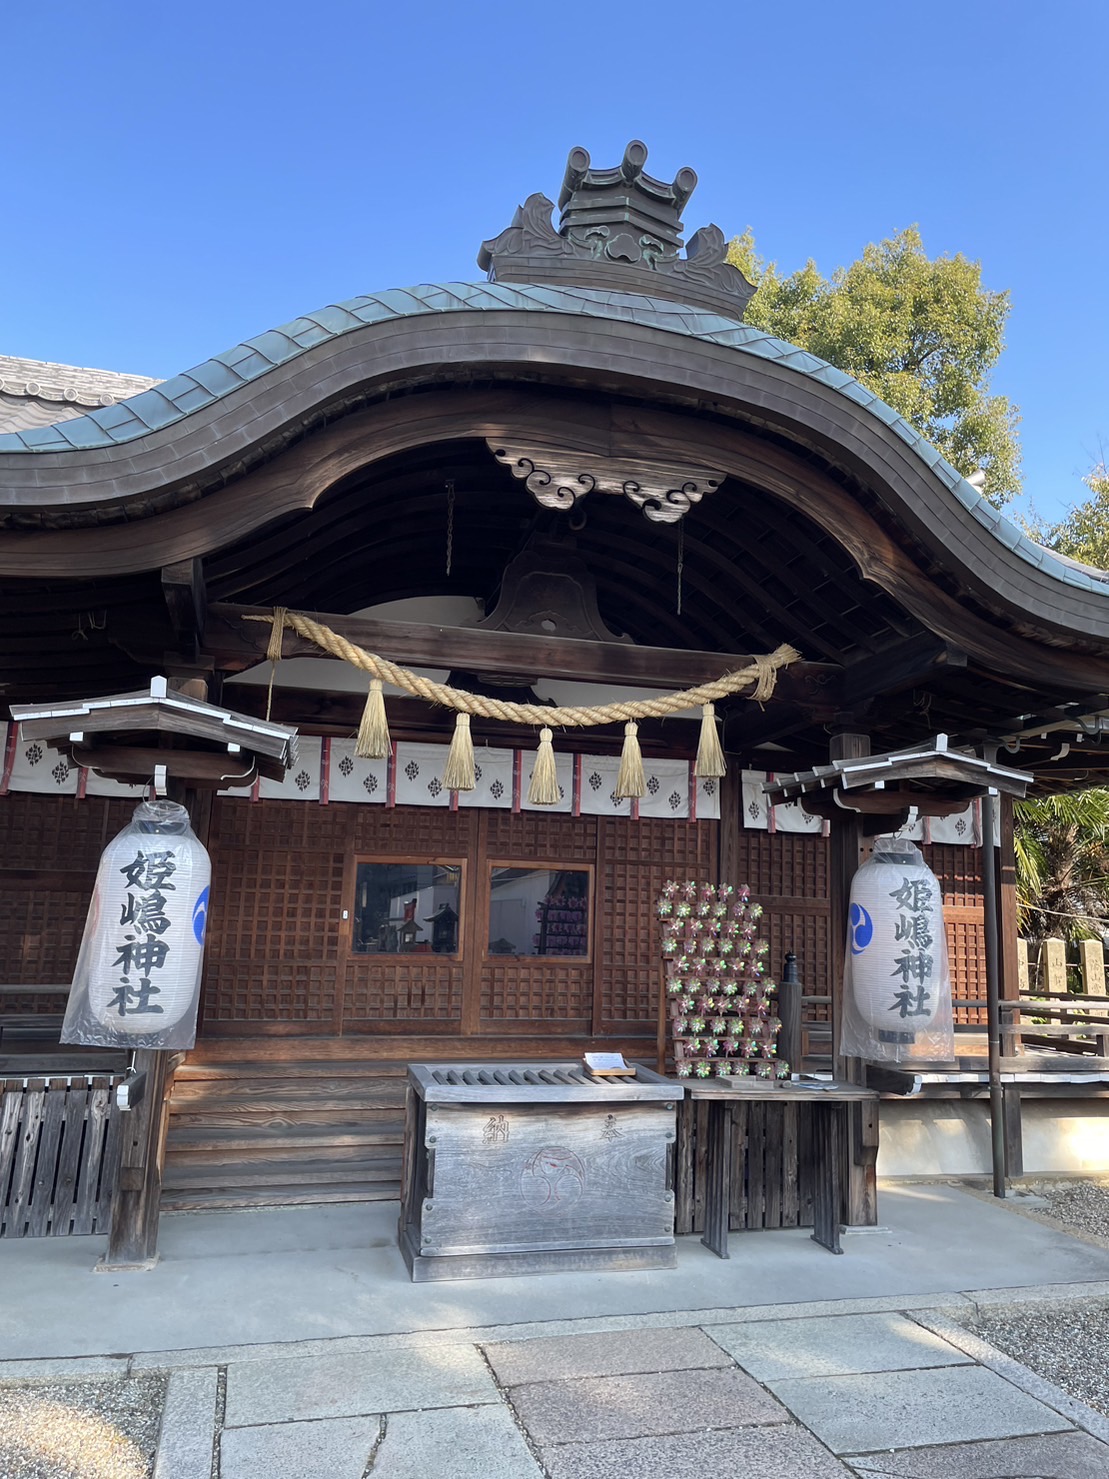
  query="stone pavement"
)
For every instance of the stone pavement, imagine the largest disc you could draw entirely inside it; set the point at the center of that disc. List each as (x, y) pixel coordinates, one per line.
(317, 1357)
(846, 1388)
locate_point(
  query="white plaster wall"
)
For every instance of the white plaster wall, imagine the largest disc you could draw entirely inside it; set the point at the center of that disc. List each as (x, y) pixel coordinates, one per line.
(941, 1137)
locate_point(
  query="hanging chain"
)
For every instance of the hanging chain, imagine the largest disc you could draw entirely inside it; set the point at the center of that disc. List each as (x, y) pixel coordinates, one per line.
(450, 523)
(681, 562)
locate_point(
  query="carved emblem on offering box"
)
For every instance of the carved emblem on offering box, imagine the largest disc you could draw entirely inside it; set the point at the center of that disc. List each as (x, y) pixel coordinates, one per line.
(723, 1020)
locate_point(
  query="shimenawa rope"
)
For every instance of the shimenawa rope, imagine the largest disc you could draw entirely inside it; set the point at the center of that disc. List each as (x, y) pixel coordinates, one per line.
(373, 736)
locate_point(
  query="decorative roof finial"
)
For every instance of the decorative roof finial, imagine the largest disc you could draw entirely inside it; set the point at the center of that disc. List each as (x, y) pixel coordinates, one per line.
(619, 228)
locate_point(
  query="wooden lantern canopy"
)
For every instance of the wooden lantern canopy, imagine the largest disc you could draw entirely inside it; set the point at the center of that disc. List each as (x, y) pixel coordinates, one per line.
(930, 778)
(161, 735)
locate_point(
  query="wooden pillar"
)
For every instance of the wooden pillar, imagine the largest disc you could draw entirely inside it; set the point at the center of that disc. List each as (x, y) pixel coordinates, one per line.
(846, 842)
(860, 1192)
(1009, 976)
(789, 1013)
(731, 821)
(1007, 902)
(136, 1203)
(992, 914)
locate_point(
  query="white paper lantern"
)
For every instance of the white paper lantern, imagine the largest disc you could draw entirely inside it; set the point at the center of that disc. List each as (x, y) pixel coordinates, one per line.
(897, 985)
(137, 981)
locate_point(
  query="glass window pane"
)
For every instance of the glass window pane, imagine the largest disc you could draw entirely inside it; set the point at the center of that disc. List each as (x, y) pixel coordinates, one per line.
(405, 908)
(539, 911)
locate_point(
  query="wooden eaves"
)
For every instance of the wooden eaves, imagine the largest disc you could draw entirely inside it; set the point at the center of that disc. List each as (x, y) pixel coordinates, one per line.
(127, 736)
(933, 778)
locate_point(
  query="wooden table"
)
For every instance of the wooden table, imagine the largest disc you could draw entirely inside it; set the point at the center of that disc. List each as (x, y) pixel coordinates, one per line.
(829, 1101)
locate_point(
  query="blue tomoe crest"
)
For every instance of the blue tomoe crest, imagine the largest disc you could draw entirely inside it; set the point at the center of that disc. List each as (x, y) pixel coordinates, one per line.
(862, 929)
(200, 915)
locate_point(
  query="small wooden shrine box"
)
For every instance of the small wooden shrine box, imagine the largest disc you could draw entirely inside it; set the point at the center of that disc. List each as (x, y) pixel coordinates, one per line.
(532, 1168)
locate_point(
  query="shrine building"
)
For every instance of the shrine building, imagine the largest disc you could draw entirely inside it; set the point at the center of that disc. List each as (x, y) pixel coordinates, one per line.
(580, 481)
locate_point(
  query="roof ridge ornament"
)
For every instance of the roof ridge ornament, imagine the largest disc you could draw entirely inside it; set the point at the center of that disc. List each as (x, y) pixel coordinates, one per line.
(619, 228)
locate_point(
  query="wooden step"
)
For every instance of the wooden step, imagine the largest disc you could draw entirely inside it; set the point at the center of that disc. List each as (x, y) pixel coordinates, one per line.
(276, 1196)
(247, 1131)
(224, 1166)
(315, 1069)
(319, 1164)
(237, 1116)
(184, 1176)
(194, 1139)
(276, 1094)
(216, 1047)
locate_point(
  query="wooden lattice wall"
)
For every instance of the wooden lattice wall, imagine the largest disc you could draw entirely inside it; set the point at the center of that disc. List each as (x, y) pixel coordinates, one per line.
(279, 949)
(279, 954)
(959, 871)
(787, 872)
(49, 850)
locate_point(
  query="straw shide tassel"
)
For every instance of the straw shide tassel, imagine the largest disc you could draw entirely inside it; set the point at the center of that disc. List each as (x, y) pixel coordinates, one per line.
(277, 632)
(544, 790)
(710, 755)
(631, 781)
(459, 773)
(373, 741)
(273, 650)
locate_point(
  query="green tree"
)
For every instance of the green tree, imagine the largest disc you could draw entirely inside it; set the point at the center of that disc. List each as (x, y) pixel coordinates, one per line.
(923, 334)
(1083, 533)
(1063, 841)
(1062, 845)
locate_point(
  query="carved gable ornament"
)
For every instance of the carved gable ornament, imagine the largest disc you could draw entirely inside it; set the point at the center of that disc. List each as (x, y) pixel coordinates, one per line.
(620, 229)
(558, 478)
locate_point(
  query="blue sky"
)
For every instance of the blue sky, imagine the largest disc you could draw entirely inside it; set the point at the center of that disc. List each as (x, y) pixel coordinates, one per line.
(178, 178)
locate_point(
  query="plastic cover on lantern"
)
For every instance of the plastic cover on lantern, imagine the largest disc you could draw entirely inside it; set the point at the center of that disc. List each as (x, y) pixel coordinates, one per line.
(896, 977)
(137, 979)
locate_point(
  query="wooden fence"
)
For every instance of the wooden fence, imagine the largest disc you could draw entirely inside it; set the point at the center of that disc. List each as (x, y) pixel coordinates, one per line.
(59, 1153)
(1062, 1002)
(772, 1166)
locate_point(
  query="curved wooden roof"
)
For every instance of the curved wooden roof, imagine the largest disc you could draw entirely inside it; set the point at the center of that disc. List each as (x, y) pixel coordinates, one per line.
(307, 467)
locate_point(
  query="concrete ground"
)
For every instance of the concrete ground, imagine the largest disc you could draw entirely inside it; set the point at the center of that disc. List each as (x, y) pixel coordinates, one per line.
(296, 1346)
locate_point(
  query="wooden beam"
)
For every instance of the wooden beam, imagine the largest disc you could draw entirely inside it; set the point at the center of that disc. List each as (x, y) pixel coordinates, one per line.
(752, 725)
(909, 664)
(235, 643)
(136, 764)
(833, 803)
(186, 599)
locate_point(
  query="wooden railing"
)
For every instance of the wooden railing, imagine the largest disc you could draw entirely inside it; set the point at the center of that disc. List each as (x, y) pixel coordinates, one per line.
(1062, 1002)
(21, 1014)
(60, 1142)
(1076, 1024)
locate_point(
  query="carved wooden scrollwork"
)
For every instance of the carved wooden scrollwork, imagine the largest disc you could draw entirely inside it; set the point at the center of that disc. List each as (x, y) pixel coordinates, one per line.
(559, 479)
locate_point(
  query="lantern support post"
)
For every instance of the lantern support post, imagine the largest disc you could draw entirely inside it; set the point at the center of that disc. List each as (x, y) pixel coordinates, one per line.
(137, 1198)
(136, 1201)
(993, 994)
(860, 1183)
(1009, 983)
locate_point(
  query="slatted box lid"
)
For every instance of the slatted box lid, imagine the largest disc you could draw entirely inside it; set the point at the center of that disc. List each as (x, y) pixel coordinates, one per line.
(534, 1083)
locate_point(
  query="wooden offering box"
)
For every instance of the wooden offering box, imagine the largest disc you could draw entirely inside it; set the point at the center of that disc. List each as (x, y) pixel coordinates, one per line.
(534, 1168)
